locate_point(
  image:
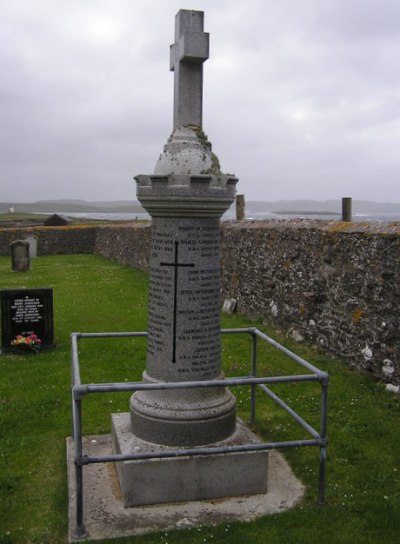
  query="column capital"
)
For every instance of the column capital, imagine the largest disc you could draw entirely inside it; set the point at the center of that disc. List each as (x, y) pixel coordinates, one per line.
(174, 195)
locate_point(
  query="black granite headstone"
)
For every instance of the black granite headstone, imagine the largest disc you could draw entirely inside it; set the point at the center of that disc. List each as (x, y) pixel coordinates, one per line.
(25, 312)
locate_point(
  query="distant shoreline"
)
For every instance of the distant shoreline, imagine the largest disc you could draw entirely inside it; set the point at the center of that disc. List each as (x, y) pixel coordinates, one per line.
(303, 212)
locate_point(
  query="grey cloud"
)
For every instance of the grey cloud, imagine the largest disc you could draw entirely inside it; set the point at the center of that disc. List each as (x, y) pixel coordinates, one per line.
(301, 98)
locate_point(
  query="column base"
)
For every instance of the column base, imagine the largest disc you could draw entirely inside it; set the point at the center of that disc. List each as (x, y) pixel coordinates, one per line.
(199, 417)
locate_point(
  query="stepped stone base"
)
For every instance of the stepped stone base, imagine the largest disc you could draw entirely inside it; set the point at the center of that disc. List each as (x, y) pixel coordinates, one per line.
(178, 479)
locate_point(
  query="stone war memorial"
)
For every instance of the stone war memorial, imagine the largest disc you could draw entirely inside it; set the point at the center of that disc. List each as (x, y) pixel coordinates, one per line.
(185, 197)
(182, 457)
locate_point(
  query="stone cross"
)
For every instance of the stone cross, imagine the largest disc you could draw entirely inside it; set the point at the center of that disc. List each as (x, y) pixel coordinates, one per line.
(187, 54)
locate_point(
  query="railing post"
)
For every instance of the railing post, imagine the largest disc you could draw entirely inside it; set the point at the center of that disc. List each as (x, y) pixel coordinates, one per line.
(80, 529)
(322, 474)
(323, 434)
(254, 374)
(320, 438)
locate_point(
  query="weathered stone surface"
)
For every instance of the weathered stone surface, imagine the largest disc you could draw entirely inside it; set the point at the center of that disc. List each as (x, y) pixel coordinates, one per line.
(127, 244)
(187, 54)
(187, 151)
(181, 195)
(336, 285)
(187, 478)
(20, 261)
(185, 199)
(184, 311)
(32, 241)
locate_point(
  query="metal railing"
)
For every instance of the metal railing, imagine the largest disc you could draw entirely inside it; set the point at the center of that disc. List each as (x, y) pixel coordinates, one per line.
(79, 391)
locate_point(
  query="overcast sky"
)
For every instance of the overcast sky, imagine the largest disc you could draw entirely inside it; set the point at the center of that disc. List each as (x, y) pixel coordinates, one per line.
(301, 97)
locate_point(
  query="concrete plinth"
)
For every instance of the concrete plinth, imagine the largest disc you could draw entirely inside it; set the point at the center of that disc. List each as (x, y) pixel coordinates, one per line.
(106, 516)
(178, 479)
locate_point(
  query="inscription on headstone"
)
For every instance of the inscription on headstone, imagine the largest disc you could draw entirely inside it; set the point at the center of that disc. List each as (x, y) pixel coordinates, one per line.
(25, 312)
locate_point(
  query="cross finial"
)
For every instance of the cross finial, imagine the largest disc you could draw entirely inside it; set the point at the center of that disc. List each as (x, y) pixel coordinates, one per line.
(190, 50)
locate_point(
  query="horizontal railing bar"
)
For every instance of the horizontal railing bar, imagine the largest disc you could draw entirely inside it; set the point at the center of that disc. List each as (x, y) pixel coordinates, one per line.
(143, 386)
(290, 411)
(86, 460)
(248, 330)
(290, 354)
(109, 334)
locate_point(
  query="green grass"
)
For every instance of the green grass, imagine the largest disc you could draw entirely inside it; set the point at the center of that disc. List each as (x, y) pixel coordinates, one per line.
(93, 294)
(22, 216)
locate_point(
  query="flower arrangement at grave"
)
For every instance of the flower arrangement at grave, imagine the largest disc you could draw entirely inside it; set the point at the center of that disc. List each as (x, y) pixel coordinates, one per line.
(30, 343)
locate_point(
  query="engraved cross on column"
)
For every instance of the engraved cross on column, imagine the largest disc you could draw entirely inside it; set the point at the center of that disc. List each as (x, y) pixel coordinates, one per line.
(190, 50)
(175, 265)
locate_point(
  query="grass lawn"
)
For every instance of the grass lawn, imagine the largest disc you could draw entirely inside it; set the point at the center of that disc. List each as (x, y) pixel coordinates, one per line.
(94, 294)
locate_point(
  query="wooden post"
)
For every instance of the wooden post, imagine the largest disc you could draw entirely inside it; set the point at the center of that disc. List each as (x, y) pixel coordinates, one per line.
(240, 207)
(346, 208)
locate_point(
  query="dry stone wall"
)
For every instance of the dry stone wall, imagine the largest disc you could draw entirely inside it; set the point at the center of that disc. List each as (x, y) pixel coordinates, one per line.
(335, 285)
(52, 240)
(126, 244)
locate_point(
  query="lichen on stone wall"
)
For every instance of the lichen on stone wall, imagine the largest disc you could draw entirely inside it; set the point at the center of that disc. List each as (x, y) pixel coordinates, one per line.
(336, 285)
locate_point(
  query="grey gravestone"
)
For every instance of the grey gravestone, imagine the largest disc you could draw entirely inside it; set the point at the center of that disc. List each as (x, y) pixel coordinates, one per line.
(32, 241)
(186, 200)
(229, 306)
(20, 261)
(25, 312)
